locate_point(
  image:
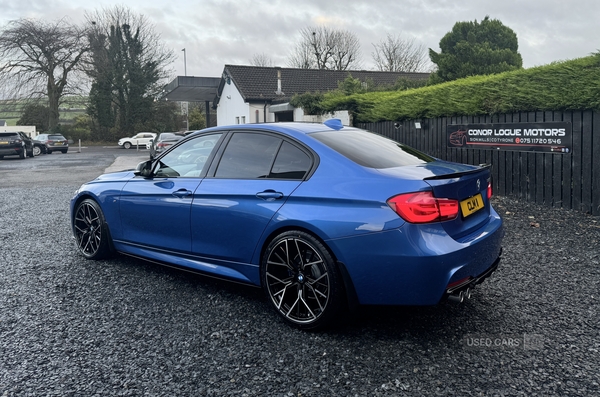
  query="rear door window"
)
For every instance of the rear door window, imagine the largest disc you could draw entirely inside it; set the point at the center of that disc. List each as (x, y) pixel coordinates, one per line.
(291, 163)
(248, 156)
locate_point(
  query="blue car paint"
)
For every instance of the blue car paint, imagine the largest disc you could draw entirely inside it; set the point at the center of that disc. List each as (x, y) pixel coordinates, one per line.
(226, 210)
(389, 261)
(413, 265)
(158, 212)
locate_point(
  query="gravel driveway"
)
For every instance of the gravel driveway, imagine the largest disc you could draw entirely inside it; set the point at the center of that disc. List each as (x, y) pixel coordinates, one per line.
(72, 327)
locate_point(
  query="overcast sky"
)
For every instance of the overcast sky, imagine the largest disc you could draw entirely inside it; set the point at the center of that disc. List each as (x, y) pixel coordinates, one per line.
(219, 32)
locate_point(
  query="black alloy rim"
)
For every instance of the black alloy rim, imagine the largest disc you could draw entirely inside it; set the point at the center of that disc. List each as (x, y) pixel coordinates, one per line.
(88, 229)
(297, 280)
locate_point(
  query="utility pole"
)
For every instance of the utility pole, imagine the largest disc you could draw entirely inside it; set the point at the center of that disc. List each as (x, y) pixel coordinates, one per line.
(187, 117)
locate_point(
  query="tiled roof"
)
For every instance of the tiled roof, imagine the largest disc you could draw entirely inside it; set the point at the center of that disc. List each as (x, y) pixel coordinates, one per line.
(260, 83)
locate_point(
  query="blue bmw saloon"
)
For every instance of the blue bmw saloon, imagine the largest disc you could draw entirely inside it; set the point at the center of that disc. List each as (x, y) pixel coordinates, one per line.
(321, 216)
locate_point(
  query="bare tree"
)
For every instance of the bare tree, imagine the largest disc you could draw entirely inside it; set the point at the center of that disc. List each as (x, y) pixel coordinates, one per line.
(302, 57)
(39, 59)
(324, 48)
(397, 54)
(261, 59)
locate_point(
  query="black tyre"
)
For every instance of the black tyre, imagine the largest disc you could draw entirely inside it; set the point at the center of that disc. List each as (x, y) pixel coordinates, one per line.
(64, 151)
(127, 145)
(91, 231)
(23, 154)
(48, 151)
(37, 150)
(301, 280)
(30, 154)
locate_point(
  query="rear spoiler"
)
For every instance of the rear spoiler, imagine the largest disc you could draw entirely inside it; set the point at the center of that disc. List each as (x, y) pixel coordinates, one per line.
(461, 173)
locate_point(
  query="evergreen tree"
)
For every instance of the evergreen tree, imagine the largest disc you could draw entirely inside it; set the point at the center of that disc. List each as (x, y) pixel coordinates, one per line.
(35, 114)
(127, 70)
(473, 48)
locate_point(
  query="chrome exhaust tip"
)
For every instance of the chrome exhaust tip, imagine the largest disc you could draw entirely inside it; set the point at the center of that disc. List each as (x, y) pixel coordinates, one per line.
(467, 293)
(457, 298)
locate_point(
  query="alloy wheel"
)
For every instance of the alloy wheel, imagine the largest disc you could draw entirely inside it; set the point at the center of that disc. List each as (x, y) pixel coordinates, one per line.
(88, 229)
(298, 280)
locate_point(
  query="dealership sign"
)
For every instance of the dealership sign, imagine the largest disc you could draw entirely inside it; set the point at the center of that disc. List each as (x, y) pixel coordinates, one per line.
(555, 137)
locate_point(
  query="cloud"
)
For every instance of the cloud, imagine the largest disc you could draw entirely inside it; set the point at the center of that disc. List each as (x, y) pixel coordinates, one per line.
(216, 32)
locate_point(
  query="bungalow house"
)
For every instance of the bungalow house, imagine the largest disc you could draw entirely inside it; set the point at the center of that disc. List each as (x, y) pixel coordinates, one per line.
(255, 94)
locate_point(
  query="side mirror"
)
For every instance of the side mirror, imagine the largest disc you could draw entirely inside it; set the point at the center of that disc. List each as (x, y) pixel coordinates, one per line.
(144, 169)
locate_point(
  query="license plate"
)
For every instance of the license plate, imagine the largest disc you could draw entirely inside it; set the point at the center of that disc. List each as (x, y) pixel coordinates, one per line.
(57, 143)
(471, 205)
(3, 142)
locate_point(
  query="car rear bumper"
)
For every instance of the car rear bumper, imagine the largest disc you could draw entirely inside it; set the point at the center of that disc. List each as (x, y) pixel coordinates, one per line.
(13, 151)
(56, 148)
(415, 264)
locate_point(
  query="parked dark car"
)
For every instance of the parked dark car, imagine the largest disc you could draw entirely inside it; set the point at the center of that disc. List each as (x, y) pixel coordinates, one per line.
(15, 144)
(163, 141)
(52, 142)
(321, 216)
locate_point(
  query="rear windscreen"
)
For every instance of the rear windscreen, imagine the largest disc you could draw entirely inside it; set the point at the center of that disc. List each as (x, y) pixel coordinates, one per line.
(56, 137)
(8, 135)
(371, 150)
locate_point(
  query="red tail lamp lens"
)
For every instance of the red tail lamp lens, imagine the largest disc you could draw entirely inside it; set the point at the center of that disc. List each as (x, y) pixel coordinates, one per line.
(422, 207)
(489, 190)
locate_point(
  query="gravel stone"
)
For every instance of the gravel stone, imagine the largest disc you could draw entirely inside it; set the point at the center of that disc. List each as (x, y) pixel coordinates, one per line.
(127, 327)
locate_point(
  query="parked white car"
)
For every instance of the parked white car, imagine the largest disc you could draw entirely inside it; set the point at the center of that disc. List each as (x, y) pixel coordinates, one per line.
(140, 139)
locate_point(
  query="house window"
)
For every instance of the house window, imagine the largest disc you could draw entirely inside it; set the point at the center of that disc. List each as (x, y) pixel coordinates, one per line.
(243, 119)
(237, 120)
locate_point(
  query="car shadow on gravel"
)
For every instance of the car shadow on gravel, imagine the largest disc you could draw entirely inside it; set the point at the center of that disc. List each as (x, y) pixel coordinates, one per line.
(384, 321)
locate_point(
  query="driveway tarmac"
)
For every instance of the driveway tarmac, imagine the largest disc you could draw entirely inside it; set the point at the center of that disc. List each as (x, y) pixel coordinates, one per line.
(127, 327)
(56, 168)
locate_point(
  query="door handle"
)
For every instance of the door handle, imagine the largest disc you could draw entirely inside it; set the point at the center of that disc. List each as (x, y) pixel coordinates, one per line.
(269, 195)
(181, 193)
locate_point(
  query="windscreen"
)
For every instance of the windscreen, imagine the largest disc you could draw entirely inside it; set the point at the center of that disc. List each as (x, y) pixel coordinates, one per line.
(371, 150)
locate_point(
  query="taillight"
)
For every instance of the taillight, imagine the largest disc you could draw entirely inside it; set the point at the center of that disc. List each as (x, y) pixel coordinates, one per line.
(489, 190)
(422, 207)
(162, 144)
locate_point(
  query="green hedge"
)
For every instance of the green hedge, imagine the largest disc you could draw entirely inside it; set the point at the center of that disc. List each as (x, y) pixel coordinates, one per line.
(568, 85)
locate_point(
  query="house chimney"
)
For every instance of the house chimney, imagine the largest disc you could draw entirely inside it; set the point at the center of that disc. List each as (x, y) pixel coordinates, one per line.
(279, 92)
